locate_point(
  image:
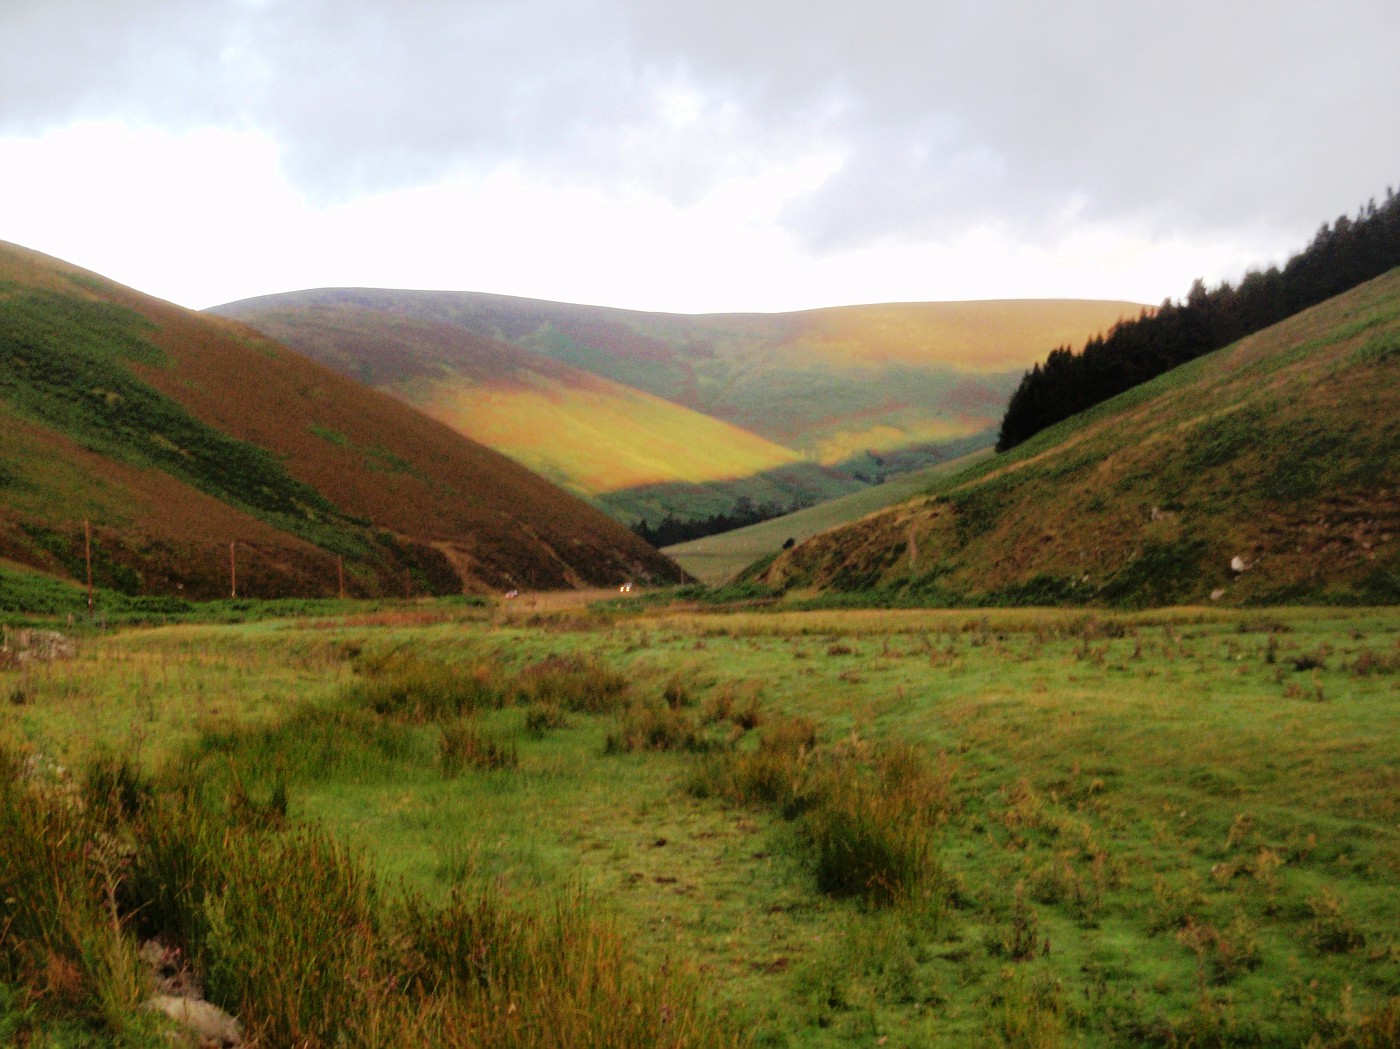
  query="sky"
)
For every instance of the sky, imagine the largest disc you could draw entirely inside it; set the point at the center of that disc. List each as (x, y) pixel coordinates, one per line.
(691, 155)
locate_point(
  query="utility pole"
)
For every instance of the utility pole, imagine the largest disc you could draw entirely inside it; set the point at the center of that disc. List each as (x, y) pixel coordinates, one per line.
(87, 554)
(232, 570)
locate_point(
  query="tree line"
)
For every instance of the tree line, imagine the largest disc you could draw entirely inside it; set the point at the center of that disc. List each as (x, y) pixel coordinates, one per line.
(1342, 255)
(671, 530)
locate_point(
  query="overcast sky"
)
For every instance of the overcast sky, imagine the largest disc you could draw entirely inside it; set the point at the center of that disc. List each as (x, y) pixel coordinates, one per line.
(691, 155)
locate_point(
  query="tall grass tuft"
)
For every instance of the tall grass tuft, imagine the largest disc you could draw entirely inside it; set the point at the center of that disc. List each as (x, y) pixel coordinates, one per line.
(289, 931)
(463, 747)
(409, 688)
(869, 816)
(656, 726)
(62, 936)
(574, 684)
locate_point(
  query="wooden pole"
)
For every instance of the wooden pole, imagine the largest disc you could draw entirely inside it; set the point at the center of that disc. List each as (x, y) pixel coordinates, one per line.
(232, 570)
(87, 554)
(340, 575)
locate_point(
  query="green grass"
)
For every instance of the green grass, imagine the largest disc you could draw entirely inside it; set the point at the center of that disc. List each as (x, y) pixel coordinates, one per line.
(938, 828)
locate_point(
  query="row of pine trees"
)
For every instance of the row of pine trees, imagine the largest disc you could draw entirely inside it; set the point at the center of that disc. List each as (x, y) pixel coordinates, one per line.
(1341, 256)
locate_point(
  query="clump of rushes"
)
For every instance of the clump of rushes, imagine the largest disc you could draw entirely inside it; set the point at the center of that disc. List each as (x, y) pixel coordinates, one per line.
(775, 774)
(408, 688)
(63, 943)
(542, 717)
(290, 932)
(463, 747)
(872, 830)
(655, 726)
(574, 684)
(867, 815)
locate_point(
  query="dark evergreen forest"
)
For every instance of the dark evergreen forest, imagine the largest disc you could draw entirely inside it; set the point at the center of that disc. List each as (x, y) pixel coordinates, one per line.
(1342, 255)
(669, 530)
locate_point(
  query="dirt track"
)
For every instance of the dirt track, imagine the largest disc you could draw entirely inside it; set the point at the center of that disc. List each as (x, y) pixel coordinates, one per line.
(534, 602)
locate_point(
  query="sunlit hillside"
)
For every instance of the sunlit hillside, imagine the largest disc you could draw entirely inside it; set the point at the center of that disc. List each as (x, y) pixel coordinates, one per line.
(867, 390)
(1264, 472)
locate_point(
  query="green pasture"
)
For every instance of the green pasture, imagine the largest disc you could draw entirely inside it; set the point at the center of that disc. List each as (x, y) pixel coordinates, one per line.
(1169, 828)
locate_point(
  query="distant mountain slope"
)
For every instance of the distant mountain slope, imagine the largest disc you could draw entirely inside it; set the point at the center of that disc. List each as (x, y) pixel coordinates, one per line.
(176, 434)
(629, 451)
(863, 389)
(1267, 471)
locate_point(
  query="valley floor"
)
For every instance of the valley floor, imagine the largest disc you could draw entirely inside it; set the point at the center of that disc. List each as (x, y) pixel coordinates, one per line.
(1166, 828)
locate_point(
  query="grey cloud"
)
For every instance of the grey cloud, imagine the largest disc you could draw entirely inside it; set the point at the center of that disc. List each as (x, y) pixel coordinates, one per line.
(1190, 116)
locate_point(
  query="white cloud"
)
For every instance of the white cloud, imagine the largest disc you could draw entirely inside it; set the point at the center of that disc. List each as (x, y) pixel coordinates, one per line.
(715, 153)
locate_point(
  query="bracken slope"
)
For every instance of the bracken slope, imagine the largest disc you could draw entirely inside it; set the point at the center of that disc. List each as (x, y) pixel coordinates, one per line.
(176, 434)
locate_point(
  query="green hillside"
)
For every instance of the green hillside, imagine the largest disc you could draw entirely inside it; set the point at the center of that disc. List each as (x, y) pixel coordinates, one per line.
(804, 406)
(175, 435)
(1265, 472)
(717, 559)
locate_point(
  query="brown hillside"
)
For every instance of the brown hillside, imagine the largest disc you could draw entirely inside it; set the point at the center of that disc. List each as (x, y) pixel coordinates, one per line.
(404, 492)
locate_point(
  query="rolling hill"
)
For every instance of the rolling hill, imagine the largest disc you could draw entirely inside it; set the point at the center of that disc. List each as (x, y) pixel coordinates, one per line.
(176, 434)
(802, 406)
(1268, 471)
(718, 559)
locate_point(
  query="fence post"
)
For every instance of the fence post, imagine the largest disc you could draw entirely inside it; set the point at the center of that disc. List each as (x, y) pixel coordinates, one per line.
(87, 555)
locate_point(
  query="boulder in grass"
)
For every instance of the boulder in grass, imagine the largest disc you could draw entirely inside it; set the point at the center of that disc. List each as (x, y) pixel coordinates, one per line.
(207, 1022)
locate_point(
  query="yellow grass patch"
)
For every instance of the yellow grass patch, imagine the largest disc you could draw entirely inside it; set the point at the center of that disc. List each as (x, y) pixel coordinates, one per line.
(846, 444)
(597, 436)
(989, 336)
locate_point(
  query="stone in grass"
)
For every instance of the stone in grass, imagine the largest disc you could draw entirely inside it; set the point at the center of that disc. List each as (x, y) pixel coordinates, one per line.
(207, 1022)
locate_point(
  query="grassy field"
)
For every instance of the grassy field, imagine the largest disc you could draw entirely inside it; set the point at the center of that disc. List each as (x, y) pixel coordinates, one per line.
(903, 828)
(717, 559)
